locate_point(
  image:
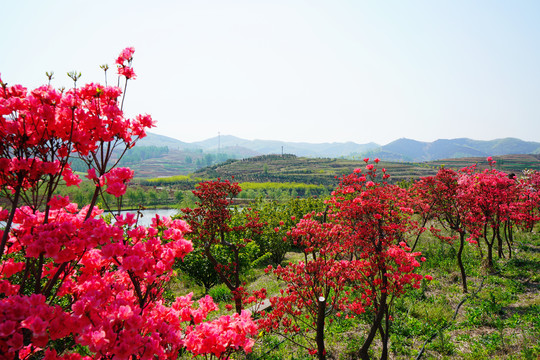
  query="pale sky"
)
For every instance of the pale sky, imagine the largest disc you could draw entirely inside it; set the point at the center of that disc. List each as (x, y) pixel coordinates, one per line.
(311, 71)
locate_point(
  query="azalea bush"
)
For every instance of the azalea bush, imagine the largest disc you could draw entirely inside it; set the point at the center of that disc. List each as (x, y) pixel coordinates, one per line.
(356, 261)
(477, 206)
(73, 286)
(441, 198)
(529, 196)
(492, 199)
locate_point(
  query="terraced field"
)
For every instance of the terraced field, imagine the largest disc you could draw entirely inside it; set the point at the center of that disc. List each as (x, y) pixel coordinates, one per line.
(507, 163)
(289, 168)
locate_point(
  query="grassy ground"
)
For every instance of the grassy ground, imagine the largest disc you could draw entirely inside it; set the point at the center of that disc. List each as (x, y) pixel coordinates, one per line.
(498, 319)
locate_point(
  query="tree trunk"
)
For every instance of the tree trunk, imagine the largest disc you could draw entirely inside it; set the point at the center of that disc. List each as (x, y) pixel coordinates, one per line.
(418, 235)
(489, 250)
(363, 352)
(509, 236)
(385, 333)
(233, 287)
(321, 352)
(500, 251)
(237, 295)
(460, 261)
(7, 228)
(92, 203)
(237, 302)
(490, 257)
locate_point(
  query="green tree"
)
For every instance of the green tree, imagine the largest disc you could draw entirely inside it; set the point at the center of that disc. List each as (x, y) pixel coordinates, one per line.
(152, 197)
(279, 219)
(141, 196)
(179, 196)
(198, 268)
(163, 197)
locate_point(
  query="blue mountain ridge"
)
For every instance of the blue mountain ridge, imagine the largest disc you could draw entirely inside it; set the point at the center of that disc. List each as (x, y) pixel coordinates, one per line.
(399, 150)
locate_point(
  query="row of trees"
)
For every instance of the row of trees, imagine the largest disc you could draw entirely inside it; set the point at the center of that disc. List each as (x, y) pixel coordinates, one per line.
(132, 156)
(477, 207)
(141, 153)
(132, 198)
(172, 192)
(284, 193)
(355, 256)
(359, 250)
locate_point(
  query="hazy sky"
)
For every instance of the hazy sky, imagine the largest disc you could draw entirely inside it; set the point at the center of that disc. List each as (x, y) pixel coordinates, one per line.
(314, 71)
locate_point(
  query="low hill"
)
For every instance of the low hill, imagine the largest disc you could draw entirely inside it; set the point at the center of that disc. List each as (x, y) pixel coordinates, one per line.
(277, 147)
(152, 139)
(290, 168)
(183, 162)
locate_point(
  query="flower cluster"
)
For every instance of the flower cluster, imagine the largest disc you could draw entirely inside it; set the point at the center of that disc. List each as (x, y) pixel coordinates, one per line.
(69, 281)
(124, 61)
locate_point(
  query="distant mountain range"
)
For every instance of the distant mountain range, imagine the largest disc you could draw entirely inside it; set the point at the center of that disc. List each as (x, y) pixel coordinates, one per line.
(264, 147)
(418, 151)
(398, 150)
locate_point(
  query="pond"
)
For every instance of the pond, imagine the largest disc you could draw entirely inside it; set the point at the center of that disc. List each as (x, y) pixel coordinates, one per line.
(148, 214)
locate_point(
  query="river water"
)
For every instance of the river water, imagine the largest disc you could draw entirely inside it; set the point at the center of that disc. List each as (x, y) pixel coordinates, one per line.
(148, 214)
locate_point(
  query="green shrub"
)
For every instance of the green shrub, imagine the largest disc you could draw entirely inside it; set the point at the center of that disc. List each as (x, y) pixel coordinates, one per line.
(220, 293)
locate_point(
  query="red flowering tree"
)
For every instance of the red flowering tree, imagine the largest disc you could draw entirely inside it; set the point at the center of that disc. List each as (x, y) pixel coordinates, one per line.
(71, 285)
(213, 230)
(442, 197)
(315, 288)
(492, 199)
(355, 259)
(378, 217)
(529, 199)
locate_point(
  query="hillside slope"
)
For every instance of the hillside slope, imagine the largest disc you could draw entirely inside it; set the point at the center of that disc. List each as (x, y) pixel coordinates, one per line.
(277, 147)
(289, 168)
